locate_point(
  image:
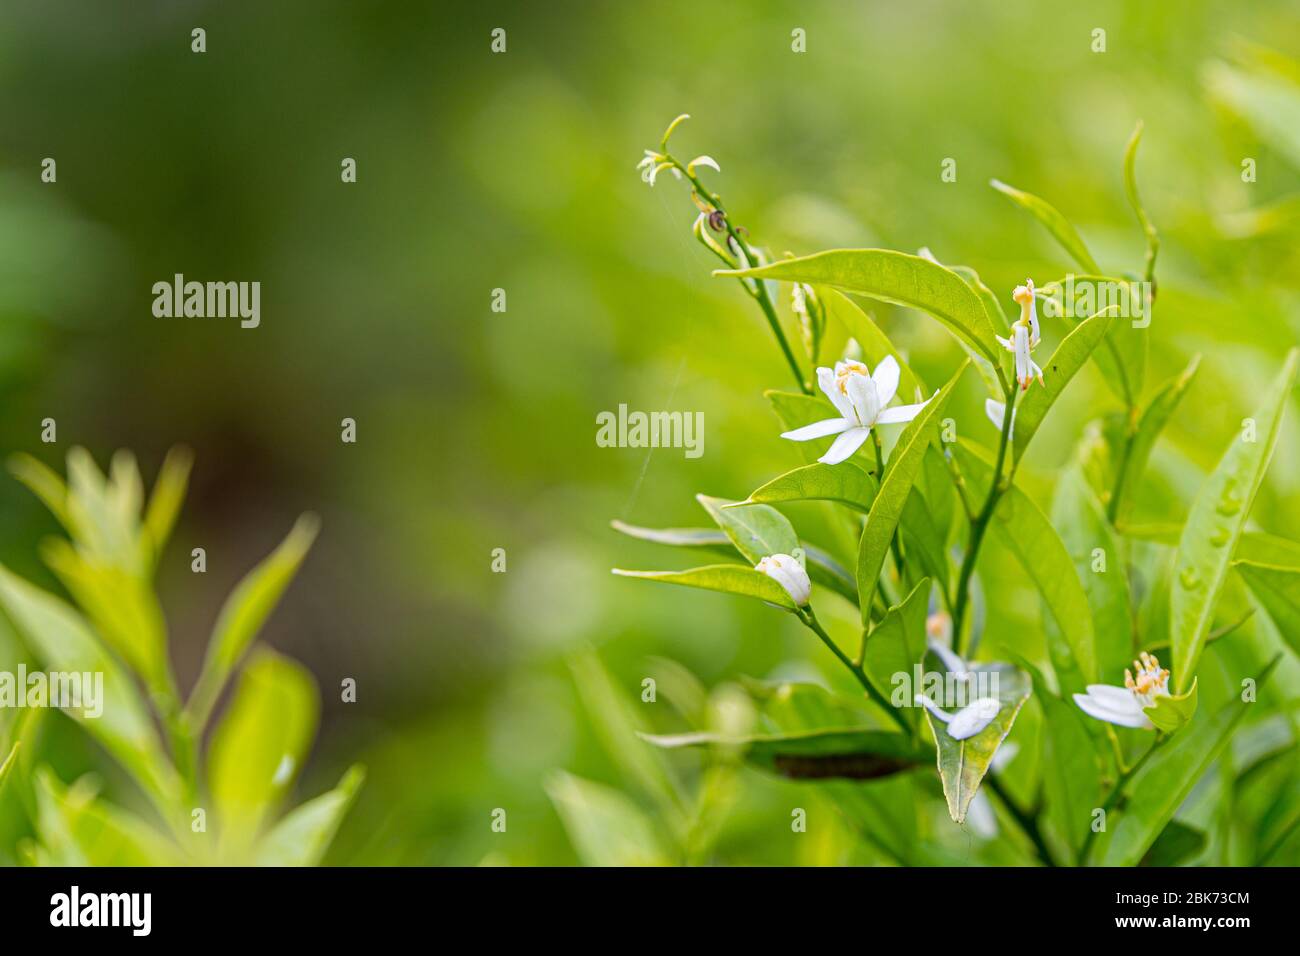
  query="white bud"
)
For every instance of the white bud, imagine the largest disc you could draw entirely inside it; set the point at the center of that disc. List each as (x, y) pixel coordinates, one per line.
(790, 574)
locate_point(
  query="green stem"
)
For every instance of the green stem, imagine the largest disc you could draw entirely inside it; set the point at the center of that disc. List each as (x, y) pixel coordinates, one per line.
(810, 620)
(759, 292)
(1121, 470)
(1115, 795)
(979, 525)
(1027, 823)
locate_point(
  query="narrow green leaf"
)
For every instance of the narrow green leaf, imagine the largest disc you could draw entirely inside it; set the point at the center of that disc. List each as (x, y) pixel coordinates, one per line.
(823, 569)
(1134, 200)
(1026, 533)
(617, 723)
(862, 327)
(707, 538)
(1068, 358)
(44, 483)
(901, 474)
(1071, 767)
(1099, 561)
(77, 829)
(963, 763)
(1160, 787)
(1278, 590)
(259, 745)
(923, 538)
(61, 640)
(896, 646)
(893, 277)
(756, 530)
(301, 836)
(1176, 845)
(1054, 222)
(167, 497)
(1150, 425)
(1215, 523)
(845, 484)
(246, 610)
(8, 764)
(728, 578)
(607, 829)
(849, 753)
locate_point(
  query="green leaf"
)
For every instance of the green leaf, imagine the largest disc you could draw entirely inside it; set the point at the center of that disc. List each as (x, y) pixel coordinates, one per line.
(168, 495)
(756, 530)
(259, 745)
(1068, 358)
(245, 611)
(1215, 523)
(901, 473)
(1176, 845)
(728, 578)
(1131, 189)
(1161, 786)
(1174, 711)
(896, 645)
(77, 829)
(1084, 530)
(893, 277)
(8, 764)
(1278, 590)
(45, 483)
(823, 569)
(707, 538)
(963, 763)
(875, 344)
(607, 829)
(121, 604)
(616, 723)
(1071, 767)
(302, 835)
(993, 308)
(1054, 222)
(923, 539)
(845, 484)
(1153, 420)
(849, 753)
(1025, 532)
(61, 640)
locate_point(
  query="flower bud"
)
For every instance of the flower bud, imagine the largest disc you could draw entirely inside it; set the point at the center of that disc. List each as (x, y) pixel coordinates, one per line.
(790, 574)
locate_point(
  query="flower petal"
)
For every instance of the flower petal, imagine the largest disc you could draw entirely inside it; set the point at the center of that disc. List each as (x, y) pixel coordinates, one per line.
(1102, 710)
(901, 413)
(886, 379)
(831, 426)
(864, 398)
(704, 161)
(1119, 698)
(973, 718)
(826, 379)
(844, 446)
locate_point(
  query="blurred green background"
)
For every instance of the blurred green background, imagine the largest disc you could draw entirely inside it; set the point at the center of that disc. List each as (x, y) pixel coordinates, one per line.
(476, 429)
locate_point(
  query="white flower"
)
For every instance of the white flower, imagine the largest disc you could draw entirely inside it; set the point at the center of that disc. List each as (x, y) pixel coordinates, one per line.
(968, 721)
(788, 572)
(1125, 705)
(997, 413)
(1025, 295)
(1024, 336)
(1026, 368)
(860, 398)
